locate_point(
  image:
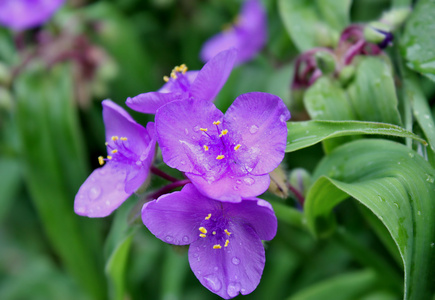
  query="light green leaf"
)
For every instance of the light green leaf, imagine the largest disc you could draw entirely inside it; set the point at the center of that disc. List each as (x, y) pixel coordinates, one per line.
(418, 43)
(308, 133)
(397, 185)
(314, 23)
(10, 174)
(351, 286)
(373, 93)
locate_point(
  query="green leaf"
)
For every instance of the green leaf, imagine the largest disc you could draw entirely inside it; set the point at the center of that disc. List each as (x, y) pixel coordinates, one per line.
(397, 185)
(350, 286)
(11, 177)
(314, 23)
(308, 133)
(418, 42)
(373, 93)
(421, 110)
(54, 168)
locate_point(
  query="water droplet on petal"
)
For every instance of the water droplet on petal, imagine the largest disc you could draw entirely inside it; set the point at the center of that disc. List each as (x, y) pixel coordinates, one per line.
(186, 131)
(213, 283)
(185, 239)
(253, 129)
(411, 154)
(236, 187)
(80, 210)
(419, 213)
(196, 128)
(182, 162)
(138, 163)
(238, 181)
(120, 187)
(94, 192)
(235, 260)
(81, 196)
(215, 269)
(107, 202)
(233, 289)
(168, 238)
(249, 181)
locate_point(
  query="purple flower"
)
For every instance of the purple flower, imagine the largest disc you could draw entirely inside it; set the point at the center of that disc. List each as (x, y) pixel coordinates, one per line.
(24, 14)
(225, 253)
(130, 149)
(226, 156)
(248, 34)
(182, 84)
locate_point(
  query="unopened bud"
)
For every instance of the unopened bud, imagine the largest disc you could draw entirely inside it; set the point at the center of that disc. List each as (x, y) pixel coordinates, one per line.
(300, 179)
(325, 61)
(346, 75)
(395, 17)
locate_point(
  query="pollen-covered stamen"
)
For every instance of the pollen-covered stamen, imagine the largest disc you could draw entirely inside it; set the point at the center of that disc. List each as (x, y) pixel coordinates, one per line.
(223, 132)
(115, 138)
(227, 232)
(100, 160)
(181, 69)
(216, 122)
(114, 151)
(203, 129)
(206, 148)
(208, 217)
(226, 243)
(236, 147)
(202, 229)
(217, 246)
(220, 156)
(218, 236)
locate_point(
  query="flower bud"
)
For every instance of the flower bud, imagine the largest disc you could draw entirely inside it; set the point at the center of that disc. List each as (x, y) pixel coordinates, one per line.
(325, 62)
(346, 75)
(395, 17)
(300, 179)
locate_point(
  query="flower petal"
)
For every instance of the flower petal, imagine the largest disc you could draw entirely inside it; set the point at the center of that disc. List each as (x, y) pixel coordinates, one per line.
(213, 75)
(149, 103)
(174, 85)
(119, 123)
(230, 270)
(259, 121)
(230, 188)
(175, 218)
(178, 134)
(258, 213)
(218, 43)
(101, 193)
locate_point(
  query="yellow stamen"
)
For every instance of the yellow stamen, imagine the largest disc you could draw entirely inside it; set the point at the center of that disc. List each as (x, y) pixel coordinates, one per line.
(220, 156)
(203, 129)
(114, 151)
(202, 235)
(208, 216)
(214, 232)
(106, 143)
(206, 148)
(123, 139)
(216, 122)
(100, 160)
(226, 243)
(109, 157)
(227, 232)
(165, 78)
(217, 246)
(237, 147)
(202, 229)
(223, 132)
(115, 138)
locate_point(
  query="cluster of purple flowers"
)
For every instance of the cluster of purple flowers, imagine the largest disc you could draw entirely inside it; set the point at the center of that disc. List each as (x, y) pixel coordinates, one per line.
(225, 157)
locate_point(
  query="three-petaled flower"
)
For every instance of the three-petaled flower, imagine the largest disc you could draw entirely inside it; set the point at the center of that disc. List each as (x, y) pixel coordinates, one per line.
(183, 84)
(228, 156)
(24, 14)
(226, 253)
(248, 34)
(130, 149)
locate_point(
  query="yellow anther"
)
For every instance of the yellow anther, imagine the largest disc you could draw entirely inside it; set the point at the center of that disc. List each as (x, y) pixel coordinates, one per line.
(202, 235)
(226, 243)
(203, 129)
(100, 160)
(165, 78)
(106, 143)
(115, 138)
(214, 232)
(109, 157)
(208, 216)
(220, 156)
(173, 74)
(217, 246)
(223, 132)
(227, 232)
(123, 139)
(206, 147)
(237, 147)
(216, 122)
(202, 229)
(114, 151)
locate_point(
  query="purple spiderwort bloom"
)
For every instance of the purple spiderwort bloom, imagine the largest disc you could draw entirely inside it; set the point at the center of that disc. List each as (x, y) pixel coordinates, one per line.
(130, 149)
(248, 34)
(226, 253)
(228, 156)
(183, 84)
(24, 14)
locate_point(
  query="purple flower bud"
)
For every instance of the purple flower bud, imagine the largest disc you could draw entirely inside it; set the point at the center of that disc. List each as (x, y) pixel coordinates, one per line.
(226, 253)
(130, 152)
(24, 14)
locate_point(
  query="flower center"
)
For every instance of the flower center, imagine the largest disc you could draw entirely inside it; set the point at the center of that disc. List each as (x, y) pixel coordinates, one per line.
(178, 78)
(215, 230)
(119, 152)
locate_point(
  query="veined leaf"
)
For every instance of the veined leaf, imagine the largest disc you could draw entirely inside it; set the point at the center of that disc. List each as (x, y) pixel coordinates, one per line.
(397, 185)
(308, 133)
